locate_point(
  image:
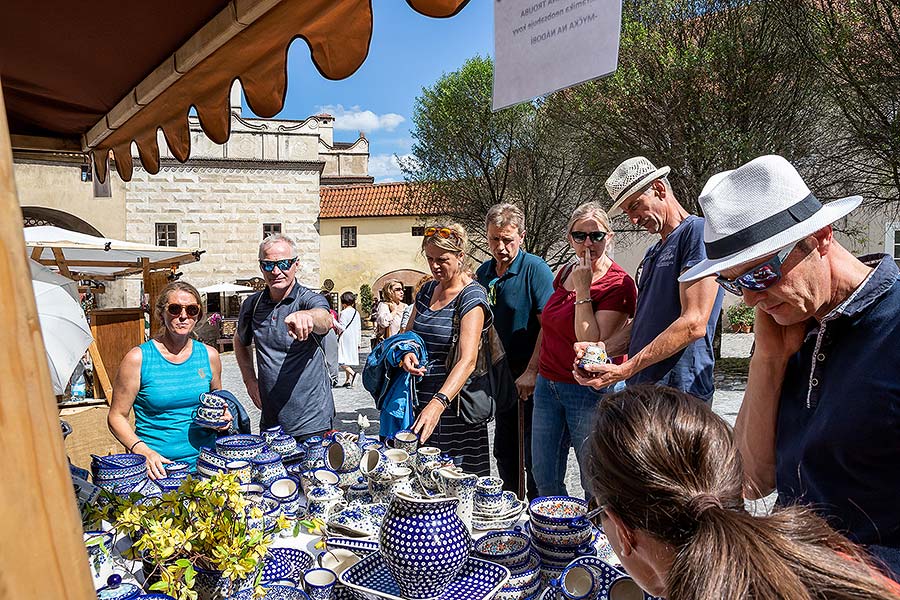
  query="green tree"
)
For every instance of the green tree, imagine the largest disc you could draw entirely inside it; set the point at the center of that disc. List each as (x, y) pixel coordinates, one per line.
(366, 300)
(702, 86)
(466, 158)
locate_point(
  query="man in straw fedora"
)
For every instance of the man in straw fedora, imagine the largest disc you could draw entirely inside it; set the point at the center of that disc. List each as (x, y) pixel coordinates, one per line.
(821, 414)
(671, 337)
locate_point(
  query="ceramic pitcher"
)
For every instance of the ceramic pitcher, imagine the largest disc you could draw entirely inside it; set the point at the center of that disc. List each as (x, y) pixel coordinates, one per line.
(424, 544)
(454, 482)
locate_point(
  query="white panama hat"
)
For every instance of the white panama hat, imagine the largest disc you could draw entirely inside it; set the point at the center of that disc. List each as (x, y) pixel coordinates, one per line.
(756, 210)
(629, 177)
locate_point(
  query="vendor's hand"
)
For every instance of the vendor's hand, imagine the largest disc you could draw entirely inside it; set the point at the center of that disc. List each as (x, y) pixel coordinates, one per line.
(601, 376)
(410, 364)
(775, 341)
(428, 420)
(300, 324)
(582, 275)
(525, 383)
(252, 386)
(155, 461)
(227, 418)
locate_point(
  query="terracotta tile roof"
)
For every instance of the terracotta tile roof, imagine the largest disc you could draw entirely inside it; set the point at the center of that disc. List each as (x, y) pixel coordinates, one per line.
(373, 200)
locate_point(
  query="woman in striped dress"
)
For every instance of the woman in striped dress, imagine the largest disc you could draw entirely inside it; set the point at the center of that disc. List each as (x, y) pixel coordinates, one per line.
(437, 421)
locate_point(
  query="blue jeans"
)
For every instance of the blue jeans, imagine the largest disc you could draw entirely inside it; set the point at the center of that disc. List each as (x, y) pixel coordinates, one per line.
(563, 418)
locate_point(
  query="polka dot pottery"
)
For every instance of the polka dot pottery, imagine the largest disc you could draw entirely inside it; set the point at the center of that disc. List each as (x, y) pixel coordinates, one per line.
(424, 544)
(285, 564)
(477, 580)
(558, 512)
(274, 592)
(613, 583)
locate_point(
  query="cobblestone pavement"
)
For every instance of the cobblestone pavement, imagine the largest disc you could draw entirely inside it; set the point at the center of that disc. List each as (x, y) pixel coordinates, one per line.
(351, 401)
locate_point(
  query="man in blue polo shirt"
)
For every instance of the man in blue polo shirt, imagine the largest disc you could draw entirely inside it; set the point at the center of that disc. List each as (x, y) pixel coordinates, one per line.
(821, 414)
(518, 286)
(291, 384)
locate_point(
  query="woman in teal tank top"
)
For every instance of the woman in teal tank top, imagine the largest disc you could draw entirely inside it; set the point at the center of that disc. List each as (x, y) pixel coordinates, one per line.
(162, 379)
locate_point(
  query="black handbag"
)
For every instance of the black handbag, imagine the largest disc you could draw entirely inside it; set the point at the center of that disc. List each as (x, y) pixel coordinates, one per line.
(490, 388)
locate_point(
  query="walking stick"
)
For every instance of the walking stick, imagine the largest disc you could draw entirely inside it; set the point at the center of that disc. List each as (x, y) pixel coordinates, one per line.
(521, 405)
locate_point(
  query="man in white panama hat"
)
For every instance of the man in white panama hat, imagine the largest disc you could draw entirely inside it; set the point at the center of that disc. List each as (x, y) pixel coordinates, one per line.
(670, 341)
(821, 415)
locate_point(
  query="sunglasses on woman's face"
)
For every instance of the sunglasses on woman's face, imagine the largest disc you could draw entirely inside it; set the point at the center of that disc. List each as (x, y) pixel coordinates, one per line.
(581, 236)
(759, 278)
(443, 232)
(192, 310)
(283, 265)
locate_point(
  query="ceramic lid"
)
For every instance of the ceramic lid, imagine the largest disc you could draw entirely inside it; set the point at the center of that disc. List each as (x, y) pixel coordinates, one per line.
(115, 589)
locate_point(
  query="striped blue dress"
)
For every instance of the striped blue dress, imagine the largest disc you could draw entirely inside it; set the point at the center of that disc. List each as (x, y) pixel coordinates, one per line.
(165, 403)
(451, 435)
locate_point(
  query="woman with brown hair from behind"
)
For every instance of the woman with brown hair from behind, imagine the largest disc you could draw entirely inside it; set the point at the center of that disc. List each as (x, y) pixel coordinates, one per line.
(667, 473)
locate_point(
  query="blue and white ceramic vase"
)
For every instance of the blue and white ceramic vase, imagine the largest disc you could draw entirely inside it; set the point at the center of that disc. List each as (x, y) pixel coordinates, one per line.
(424, 544)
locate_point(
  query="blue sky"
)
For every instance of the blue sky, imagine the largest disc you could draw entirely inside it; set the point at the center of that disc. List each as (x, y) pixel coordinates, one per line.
(408, 51)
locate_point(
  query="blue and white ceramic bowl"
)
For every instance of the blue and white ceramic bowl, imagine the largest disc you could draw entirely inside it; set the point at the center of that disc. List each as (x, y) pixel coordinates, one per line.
(274, 592)
(529, 572)
(177, 469)
(283, 445)
(508, 548)
(558, 513)
(555, 537)
(212, 458)
(118, 466)
(285, 564)
(285, 489)
(235, 447)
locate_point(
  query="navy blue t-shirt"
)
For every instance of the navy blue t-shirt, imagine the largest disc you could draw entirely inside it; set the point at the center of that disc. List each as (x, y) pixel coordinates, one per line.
(659, 304)
(838, 429)
(517, 298)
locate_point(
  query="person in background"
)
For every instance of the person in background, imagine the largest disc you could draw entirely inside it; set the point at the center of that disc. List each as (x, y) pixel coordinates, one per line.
(821, 411)
(162, 380)
(666, 473)
(445, 247)
(390, 309)
(591, 301)
(286, 323)
(518, 286)
(351, 333)
(330, 342)
(670, 341)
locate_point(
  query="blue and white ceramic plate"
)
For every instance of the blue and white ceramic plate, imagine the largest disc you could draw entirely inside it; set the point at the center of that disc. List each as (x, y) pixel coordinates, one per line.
(361, 547)
(274, 592)
(286, 564)
(209, 424)
(362, 520)
(478, 580)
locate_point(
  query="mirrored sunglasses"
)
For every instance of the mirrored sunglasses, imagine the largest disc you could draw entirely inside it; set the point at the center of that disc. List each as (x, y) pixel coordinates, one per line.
(283, 265)
(581, 236)
(443, 232)
(759, 278)
(192, 310)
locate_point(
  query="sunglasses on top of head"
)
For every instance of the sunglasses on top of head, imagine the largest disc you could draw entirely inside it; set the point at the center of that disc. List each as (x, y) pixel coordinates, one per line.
(442, 232)
(759, 278)
(581, 236)
(283, 264)
(175, 310)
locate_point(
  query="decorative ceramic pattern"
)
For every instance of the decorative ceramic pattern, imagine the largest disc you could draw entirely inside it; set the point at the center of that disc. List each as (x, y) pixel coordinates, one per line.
(557, 510)
(116, 589)
(361, 547)
(482, 524)
(503, 544)
(568, 537)
(283, 444)
(343, 455)
(274, 592)
(267, 467)
(235, 447)
(477, 580)
(199, 422)
(606, 575)
(424, 544)
(361, 520)
(285, 564)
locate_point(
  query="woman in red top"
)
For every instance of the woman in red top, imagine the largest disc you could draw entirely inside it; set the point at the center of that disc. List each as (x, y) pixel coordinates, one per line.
(592, 299)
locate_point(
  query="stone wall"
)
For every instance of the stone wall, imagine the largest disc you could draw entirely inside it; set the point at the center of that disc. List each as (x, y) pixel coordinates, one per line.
(222, 210)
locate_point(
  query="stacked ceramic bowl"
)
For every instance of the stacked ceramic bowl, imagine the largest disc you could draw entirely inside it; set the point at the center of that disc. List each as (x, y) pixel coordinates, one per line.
(559, 531)
(512, 549)
(119, 470)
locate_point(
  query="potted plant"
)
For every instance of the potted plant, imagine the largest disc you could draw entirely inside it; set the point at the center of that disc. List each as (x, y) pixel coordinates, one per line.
(740, 316)
(201, 542)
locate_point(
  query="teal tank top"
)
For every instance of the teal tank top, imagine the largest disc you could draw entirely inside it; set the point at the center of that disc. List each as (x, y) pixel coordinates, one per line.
(165, 404)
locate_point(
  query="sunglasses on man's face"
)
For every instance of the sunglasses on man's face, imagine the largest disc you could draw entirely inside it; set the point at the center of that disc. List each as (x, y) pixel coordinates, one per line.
(175, 310)
(759, 278)
(581, 236)
(283, 265)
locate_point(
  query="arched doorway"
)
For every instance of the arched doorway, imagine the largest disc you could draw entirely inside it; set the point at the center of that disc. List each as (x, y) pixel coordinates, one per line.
(35, 216)
(409, 278)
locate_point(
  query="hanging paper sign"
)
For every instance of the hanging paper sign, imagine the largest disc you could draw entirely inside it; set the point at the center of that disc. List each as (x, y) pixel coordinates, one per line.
(541, 46)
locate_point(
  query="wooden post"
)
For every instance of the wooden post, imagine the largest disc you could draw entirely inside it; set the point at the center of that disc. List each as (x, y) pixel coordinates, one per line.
(42, 554)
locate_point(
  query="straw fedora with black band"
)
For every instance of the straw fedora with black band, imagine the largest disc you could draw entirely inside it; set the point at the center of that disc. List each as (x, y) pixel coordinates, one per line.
(629, 177)
(756, 210)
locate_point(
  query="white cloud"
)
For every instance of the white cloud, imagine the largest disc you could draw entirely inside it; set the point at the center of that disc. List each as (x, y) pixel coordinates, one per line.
(385, 167)
(356, 119)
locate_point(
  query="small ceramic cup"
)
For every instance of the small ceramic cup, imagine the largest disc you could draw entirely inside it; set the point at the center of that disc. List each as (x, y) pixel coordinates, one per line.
(406, 439)
(488, 503)
(374, 463)
(319, 583)
(285, 489)
(213, 401)
(271, 433)
(428, 458)
(397, 457)
(578, 582)
(243, 469)
(489, 485)
(210, 414)
(625, 588)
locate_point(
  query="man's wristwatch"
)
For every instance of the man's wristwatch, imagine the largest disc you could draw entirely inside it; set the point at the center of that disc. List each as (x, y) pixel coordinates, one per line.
(442, 398)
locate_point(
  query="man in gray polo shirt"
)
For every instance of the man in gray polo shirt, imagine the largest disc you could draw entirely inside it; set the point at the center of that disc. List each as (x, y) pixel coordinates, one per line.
(287, 322)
